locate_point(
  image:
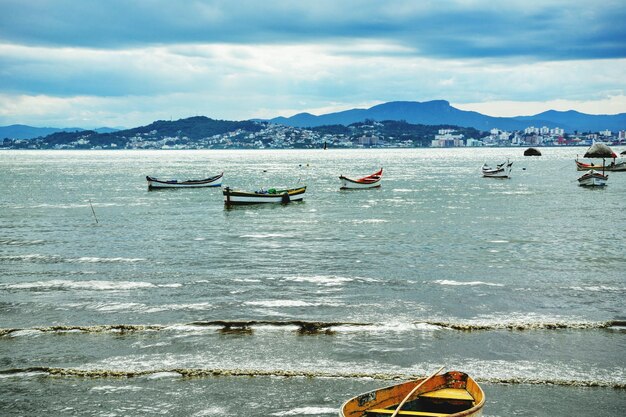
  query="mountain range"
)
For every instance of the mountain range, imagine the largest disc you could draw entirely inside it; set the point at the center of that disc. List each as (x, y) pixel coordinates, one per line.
(440, 112)
(29, 132)
(436, 112)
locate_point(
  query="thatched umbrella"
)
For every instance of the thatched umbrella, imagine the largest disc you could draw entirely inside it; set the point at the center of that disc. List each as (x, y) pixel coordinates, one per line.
(532, 152)
(599, 150)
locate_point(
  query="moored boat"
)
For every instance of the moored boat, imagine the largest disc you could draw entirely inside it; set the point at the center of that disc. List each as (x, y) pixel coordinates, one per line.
(369, 181)
(452, 394)
(613, 166)
(593, 178)
(502, 170)
(272, 195)
(214, 181)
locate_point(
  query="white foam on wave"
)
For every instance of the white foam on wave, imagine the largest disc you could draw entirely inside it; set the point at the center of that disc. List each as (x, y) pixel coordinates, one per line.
(112, 389)
(94, 259)
(25, 332)
(597, 288)
(282, 303)
(37, 257)
(244, 280)
(530, 372)
(266, 235)
(469, 283)
(323, 280)
(212, 411)
(33, 257)
(306, 411)
(520, 321)
(79, 285)
(177, 285)
(365, 221)
(26, 374)
(391, 327)
(114, 307)
(179, 307)
(13, 242)
(163, 375)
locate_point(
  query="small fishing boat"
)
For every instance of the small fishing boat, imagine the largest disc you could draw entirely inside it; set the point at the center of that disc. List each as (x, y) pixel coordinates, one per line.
(452, 394)
(613, 166)
(502, 170)
(593, 178)
(271, 195)
(370, 181)
(154, 183)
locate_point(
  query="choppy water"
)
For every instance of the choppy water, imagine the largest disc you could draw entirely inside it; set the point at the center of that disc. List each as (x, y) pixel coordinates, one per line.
(171, 304)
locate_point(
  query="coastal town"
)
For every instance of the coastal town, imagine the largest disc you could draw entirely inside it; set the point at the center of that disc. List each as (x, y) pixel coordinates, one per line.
(265, 135)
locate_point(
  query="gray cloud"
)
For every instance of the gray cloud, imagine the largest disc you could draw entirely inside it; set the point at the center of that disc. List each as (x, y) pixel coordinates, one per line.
(555, 29)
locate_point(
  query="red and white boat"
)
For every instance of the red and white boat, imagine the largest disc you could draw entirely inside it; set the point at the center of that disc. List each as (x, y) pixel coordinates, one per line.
(370, 181)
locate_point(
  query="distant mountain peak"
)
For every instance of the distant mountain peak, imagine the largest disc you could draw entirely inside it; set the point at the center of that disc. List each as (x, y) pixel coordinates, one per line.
(440, 112)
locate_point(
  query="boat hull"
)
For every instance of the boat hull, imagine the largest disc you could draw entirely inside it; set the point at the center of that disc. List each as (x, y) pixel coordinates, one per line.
(236, 197)
(370, 181)
(383, 401)
(593, 179)
(348, 184)
(501, 171)
(620, 166)
(155, 183)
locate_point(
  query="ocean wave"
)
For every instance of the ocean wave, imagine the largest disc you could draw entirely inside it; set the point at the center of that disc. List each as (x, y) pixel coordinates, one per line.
(306, 411)
(313, 327)
(598, 288)
(80, 285)
(54, 259)
(221, 372)
(267, 235)
(469, 283)
(14, 242)
(110, 389)
(524, 323)
(118, 328)
(286, 303)
(328, 281)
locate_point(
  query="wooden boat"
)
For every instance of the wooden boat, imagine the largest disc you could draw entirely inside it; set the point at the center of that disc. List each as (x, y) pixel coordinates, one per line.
(593, 178)
(502, 170)
(613, 166)
(452, 394)
(272, 195)
(370, 181)
(214, 181)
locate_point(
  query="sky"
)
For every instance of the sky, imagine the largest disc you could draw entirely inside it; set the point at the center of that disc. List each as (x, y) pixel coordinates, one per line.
(120, 63)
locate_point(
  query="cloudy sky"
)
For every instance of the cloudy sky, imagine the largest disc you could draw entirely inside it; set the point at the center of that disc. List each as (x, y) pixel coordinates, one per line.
(121, 63)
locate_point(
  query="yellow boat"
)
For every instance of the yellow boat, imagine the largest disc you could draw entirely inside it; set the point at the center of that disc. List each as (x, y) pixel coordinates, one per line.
(452, 394)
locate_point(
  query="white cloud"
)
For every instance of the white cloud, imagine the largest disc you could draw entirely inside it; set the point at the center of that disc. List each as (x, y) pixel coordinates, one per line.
(91, 88)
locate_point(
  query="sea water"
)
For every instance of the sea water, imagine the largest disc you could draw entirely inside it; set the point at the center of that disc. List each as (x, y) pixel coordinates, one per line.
(119, 301)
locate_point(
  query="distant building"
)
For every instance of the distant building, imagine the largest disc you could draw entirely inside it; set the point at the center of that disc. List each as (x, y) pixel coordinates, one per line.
(446, 139)
(470, 142)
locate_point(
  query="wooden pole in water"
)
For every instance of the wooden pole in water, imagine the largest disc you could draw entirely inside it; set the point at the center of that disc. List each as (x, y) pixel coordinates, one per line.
(395, 413)
(93, 211)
